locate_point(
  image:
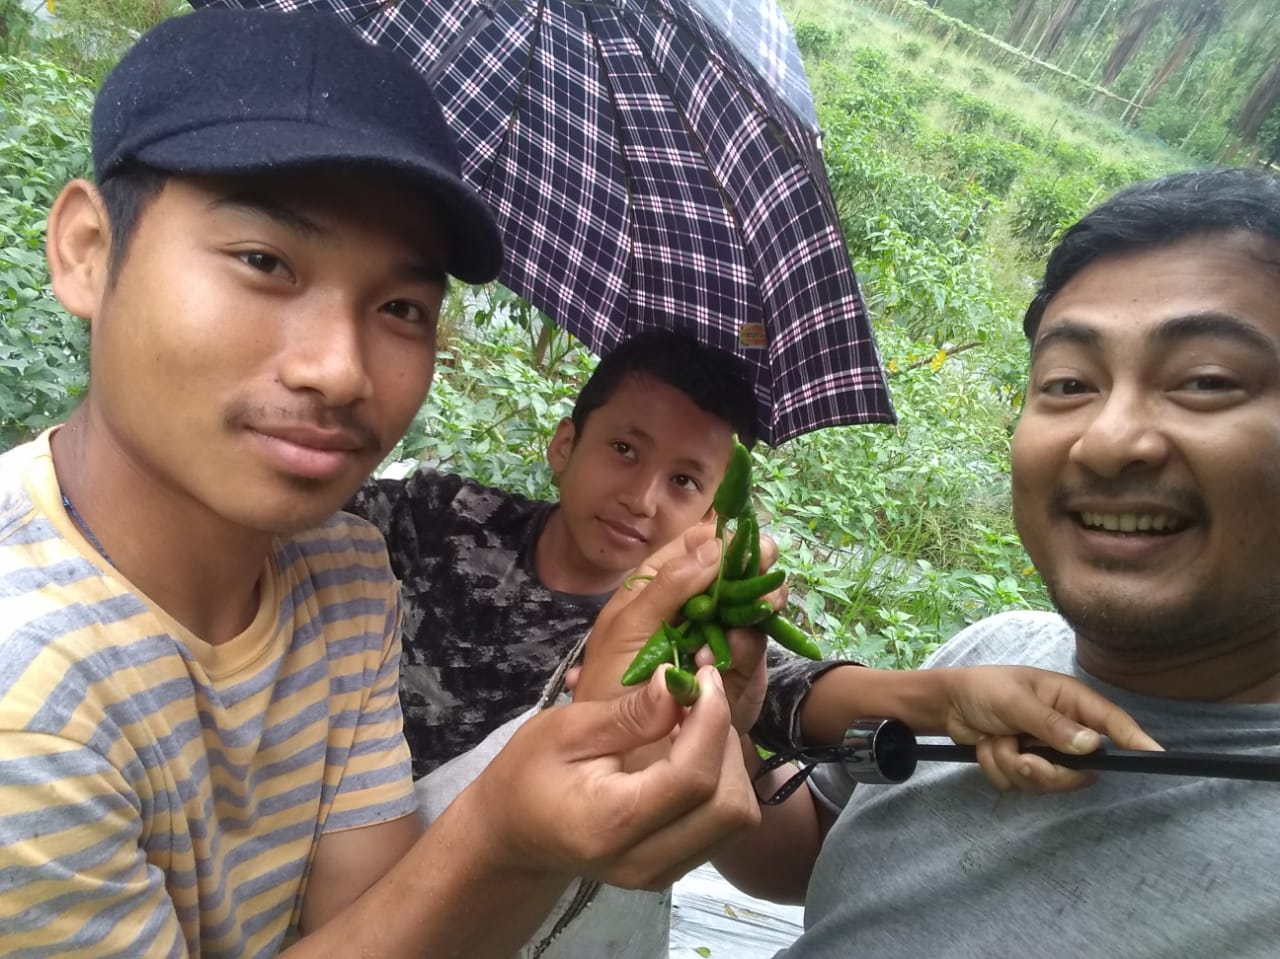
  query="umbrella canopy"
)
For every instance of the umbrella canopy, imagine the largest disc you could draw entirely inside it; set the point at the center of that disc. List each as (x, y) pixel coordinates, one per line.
(653, 163)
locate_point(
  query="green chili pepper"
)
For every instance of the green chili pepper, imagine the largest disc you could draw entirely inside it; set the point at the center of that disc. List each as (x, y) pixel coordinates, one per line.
(744, 614)
(735, 557)
(733, 592)
(752, 566)
(701, 607)
(734, 492)
(790, 636)
(655, 651)
(689, 642)
(712, 635)
(683, 686)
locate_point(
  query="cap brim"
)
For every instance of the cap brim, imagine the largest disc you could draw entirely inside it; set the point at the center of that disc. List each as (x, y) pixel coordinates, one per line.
(262, 146)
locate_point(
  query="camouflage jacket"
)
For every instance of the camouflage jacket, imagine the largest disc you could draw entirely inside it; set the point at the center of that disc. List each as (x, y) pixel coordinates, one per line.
(482, 634)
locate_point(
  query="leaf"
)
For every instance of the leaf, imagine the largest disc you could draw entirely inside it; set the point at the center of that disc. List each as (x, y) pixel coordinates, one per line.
(703, 951)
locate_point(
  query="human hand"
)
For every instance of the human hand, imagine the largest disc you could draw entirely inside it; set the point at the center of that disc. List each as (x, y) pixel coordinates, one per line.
(990, 706)
(657, 591)
(747, 678)
(560, 798)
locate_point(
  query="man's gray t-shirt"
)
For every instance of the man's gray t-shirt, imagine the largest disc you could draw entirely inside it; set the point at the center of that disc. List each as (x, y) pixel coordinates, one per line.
(1135, 867)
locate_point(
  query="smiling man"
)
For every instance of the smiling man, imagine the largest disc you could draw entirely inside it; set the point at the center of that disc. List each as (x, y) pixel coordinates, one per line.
(1146, 487)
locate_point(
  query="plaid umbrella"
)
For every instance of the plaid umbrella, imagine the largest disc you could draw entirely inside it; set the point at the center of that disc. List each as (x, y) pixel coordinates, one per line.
(653, 163)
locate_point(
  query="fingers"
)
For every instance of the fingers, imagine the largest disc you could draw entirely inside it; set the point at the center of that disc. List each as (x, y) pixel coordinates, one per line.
(1099, 713)
(1056, 709)
(682, 545)
(582, 812)
(1008, 769)
(999, 703)
(630, 618)
(1073, 718)
(618, 725)
(768, 553)
(704, 767)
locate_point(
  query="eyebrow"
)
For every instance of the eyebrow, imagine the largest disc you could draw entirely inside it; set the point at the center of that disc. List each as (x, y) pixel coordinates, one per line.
(1170, 332)
(1221, 325)
(255, 204)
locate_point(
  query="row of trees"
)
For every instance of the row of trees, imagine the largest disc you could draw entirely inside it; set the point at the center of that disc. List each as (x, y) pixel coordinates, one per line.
(1202, 74)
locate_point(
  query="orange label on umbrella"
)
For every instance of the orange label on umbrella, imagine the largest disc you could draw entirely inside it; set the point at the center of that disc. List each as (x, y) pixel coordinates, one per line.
(751, 336)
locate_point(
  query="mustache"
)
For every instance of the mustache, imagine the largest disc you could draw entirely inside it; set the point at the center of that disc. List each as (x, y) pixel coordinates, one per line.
(1184, 500)
(244, 414)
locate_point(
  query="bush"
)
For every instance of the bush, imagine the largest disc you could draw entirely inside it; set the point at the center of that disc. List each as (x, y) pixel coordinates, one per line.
(44, 122)
(1044, 206)
(814, 40)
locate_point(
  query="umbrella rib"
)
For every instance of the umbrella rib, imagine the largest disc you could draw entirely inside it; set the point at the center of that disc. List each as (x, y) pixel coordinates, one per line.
(522, 88)
(607, 83)
(482, 18)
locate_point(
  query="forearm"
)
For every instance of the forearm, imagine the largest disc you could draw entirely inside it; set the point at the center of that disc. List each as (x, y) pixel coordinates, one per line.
(918, 698)
(451, 896)
(774, 860)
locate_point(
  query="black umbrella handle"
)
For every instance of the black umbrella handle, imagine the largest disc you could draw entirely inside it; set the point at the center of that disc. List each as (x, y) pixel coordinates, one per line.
(886, 751)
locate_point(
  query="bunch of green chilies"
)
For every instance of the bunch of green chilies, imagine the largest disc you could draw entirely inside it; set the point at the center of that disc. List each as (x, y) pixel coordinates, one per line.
(734, 600)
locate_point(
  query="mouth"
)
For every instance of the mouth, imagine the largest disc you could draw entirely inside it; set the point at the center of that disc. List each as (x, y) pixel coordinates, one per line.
(1133, 522)
(309, 452)
(623, 531)
(315, 438)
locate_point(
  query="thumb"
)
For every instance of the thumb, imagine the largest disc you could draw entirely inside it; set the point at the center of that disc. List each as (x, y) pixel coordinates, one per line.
(619, 725)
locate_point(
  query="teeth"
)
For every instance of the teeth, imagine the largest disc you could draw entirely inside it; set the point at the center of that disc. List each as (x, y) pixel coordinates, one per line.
(1132, 522)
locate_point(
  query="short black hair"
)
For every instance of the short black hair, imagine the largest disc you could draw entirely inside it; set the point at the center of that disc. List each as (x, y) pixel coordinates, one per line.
(1160, 213)
(126, 195)
(713, 379)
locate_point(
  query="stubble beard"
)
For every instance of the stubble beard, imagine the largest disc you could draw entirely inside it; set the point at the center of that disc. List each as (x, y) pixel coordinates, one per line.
(1132, 631)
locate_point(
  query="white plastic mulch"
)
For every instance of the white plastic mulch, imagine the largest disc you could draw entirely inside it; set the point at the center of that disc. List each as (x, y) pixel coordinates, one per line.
(713, 920)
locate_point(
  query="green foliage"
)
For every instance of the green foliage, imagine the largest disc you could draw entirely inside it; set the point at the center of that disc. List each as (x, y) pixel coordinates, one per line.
(92, 35)
(44, 112)
(492, 409)
(813, 39)
(1044, 206)
(970, 113)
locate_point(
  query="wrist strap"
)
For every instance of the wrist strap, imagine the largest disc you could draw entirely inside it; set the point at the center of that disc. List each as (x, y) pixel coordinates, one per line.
(873, 751)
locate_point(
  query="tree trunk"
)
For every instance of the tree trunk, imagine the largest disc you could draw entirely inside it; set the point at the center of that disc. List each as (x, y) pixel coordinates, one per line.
(1020, 25)
(1262, 99)
(1177, 56)
(1132, 39)
(1056, 29)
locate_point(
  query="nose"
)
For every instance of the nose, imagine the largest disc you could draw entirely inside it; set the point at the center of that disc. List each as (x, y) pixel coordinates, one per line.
(640, 495)
(1123, 434)
(325, 354)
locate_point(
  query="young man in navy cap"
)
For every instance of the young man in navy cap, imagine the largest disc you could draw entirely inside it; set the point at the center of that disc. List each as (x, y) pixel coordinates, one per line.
(200, 742)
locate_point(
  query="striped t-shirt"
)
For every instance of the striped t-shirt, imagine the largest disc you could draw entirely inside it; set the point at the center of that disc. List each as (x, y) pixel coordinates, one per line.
(160, 796)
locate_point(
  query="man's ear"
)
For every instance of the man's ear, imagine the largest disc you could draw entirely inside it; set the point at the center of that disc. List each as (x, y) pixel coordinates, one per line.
(561, 446)
(78, 248)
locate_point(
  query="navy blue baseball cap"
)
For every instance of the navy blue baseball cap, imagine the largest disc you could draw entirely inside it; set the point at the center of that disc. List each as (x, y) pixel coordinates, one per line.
(223, 92)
